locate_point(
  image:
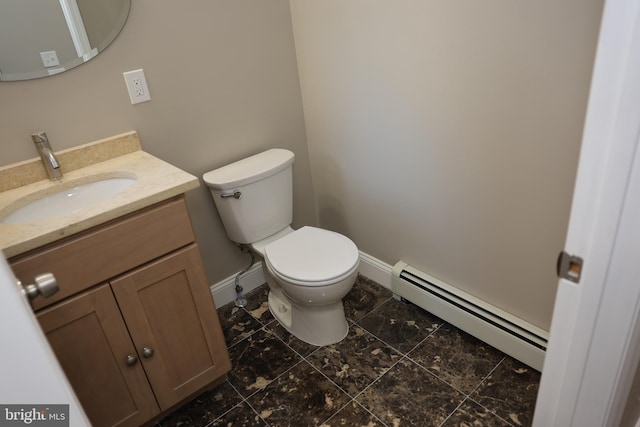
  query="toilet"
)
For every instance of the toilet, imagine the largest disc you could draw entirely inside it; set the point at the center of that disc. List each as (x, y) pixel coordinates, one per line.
(308, 270)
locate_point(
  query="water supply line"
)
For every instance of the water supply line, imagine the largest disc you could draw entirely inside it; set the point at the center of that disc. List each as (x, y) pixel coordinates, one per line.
(240, 300)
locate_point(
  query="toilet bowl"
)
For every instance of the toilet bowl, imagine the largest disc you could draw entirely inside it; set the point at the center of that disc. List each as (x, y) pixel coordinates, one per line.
(308, 270)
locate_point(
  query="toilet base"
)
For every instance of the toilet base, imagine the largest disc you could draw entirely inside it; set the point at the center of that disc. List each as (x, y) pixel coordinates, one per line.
(315, 325)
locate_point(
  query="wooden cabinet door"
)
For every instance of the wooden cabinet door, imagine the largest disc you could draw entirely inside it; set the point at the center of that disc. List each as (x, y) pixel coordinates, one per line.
(91, 342)
(168, 308)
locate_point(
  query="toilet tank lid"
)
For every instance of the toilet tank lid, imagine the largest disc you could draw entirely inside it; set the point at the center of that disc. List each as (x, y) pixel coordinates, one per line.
(250, 169)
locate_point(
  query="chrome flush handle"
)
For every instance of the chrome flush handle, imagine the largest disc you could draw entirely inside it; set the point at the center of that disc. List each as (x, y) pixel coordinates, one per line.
(236, 195)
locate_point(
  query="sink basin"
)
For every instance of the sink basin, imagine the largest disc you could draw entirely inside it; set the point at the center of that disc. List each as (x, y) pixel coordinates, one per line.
(72, 197)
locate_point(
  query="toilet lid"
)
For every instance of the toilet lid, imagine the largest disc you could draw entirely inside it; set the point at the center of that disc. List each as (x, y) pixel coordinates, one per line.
(312, 255)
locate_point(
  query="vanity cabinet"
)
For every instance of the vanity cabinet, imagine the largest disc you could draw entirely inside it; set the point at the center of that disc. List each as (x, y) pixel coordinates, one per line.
(92, 344)
(137, 341)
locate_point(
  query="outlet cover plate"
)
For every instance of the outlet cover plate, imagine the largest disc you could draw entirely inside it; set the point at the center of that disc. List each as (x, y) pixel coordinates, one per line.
(49, 58)
(137, 86)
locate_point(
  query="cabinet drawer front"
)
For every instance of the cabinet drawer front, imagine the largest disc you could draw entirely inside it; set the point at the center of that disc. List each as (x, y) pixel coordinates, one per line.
(91, 343)
(108, 250)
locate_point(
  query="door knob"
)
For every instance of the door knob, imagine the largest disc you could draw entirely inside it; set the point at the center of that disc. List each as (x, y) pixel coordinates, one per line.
(147, 352)
(131, 360)
(45, 285)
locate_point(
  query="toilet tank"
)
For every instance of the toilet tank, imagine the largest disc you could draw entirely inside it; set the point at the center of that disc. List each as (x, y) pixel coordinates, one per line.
(254, 196)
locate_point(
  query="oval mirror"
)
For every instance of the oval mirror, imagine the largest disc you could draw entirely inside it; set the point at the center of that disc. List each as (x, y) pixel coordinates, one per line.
(39, 38)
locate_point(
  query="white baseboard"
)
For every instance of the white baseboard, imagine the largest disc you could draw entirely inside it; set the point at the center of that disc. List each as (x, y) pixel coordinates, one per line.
(376, 270)
(224, 291)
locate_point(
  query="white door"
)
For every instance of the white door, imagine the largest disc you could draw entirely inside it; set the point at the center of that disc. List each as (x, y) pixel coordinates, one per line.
(594, 345)
(29, 371)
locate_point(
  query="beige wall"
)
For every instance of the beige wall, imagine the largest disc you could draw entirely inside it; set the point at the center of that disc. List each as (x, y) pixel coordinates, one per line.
(446, 134)
(224, 84)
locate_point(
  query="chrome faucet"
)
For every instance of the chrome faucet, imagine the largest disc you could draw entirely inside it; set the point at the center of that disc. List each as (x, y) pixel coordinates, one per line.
(51, 164)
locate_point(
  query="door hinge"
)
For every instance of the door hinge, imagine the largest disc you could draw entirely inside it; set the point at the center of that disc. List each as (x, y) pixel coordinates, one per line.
(569, 267)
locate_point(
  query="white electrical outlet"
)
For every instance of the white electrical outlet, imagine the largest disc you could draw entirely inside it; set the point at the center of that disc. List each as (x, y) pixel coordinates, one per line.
(137, 86)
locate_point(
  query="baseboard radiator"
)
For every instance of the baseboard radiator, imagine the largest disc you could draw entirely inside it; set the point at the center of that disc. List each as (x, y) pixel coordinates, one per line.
(509, 334)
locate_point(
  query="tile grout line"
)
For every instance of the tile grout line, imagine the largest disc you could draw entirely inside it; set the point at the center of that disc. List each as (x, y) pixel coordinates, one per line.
(454, 411)
(373, 309)
(487, 376)
(402, 356)
(258, 414)
(229, 346)
(244, 400)
(478, 386)
(353, 400)
(469, 398)
(399, 351)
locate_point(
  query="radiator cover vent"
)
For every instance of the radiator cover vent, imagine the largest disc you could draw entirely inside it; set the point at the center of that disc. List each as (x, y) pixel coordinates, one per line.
(509, 334)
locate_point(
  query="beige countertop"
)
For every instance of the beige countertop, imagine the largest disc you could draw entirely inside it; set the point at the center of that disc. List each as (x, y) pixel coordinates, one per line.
(120, 156)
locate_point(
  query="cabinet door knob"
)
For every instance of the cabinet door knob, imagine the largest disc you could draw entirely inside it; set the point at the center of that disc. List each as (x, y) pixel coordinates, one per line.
(147, 352)
(131, 360)
(44, 284)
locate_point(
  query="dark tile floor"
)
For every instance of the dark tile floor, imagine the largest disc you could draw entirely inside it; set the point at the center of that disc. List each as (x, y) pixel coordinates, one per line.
(398, 366)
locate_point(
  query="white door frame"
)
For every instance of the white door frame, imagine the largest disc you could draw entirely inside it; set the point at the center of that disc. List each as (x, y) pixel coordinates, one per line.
(594, 345)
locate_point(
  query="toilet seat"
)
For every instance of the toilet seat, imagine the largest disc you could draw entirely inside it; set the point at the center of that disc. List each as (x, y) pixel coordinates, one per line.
(312, 256)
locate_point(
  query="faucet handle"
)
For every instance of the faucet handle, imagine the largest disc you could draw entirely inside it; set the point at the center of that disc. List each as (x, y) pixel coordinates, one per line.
(40, 138)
